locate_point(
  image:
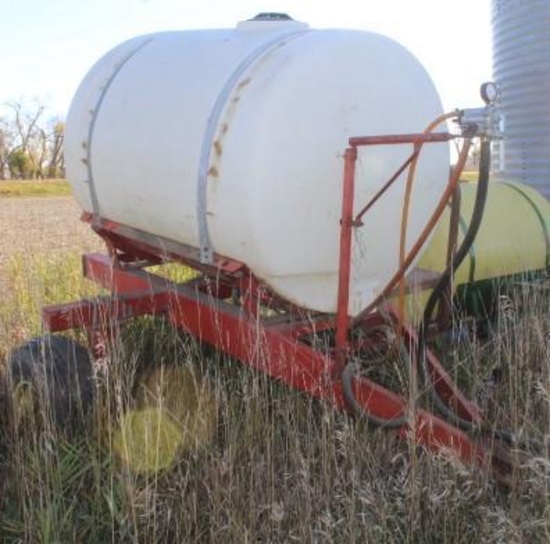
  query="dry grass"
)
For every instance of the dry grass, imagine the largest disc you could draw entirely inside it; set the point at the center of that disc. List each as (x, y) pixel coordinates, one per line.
(41, 227)
(281, 467)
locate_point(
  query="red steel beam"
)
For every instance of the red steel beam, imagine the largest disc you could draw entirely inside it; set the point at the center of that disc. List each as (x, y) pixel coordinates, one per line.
(101, 310)
(344, 266)
(396, 139)
(232, 331)
(442, 382)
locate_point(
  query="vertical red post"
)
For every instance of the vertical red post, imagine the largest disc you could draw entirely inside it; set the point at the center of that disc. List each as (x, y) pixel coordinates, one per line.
(344, 267)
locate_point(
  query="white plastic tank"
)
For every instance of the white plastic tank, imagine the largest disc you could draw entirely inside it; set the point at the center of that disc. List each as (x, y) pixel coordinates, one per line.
(232, 141)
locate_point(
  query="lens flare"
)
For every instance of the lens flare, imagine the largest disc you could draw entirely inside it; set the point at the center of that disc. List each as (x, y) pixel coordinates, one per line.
(175, 413)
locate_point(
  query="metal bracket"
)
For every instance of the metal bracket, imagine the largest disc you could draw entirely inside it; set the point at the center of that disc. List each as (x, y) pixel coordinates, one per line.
(94, 113)
(206, 250)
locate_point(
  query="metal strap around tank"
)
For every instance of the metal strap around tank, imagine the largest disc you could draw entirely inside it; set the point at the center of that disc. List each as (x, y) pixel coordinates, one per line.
(539, 215)
(93, 191)
(206, 251)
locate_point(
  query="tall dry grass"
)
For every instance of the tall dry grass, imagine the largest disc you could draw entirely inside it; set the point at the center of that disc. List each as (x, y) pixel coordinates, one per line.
(281, 466)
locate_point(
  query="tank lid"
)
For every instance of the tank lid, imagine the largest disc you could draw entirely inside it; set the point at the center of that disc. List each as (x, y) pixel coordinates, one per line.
(270, 21)
(272, 16)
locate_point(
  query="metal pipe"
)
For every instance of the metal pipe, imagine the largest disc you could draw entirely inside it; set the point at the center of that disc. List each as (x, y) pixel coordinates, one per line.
(344, 269)
(385, 187)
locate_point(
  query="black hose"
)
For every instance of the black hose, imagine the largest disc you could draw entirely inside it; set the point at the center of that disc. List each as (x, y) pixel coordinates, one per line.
(349, 371)
(464, 249)
(436, 294)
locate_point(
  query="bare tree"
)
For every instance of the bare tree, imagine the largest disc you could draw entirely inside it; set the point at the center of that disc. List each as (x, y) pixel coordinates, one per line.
(31, 145)
(8, 145)
(56, 166)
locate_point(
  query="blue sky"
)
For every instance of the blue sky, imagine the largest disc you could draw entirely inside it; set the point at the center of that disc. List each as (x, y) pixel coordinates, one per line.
(47, 46)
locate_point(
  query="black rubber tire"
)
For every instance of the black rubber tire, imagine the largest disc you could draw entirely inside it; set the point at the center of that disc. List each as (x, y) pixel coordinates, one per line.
(59, 371)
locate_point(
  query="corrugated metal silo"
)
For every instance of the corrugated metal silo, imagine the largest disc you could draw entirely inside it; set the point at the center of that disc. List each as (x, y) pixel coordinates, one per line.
(521, 66)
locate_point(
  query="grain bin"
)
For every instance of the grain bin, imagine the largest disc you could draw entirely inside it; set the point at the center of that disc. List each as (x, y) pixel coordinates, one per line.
(521, 65)
(231, 141)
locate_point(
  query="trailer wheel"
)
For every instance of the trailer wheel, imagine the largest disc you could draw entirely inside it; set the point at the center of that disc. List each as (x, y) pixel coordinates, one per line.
(52, 375)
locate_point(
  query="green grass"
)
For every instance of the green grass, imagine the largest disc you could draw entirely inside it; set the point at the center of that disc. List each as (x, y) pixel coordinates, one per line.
(469, 176)
(281, 467)
(56, 187)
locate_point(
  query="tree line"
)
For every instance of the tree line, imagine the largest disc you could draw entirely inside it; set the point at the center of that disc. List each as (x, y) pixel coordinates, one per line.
(31, 142)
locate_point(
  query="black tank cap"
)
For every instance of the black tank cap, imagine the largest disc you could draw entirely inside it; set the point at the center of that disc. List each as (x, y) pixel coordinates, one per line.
(272, 16)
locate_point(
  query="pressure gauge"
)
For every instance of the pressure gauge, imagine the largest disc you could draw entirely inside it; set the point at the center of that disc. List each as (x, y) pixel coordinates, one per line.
(489, 92)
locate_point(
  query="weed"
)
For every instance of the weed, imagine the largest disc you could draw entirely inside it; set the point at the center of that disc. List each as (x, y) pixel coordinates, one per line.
(279, 466)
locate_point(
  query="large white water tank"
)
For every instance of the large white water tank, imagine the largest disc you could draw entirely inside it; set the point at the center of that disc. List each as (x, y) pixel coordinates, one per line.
(232, 141)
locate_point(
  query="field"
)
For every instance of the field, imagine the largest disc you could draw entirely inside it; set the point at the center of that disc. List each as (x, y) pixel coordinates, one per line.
(54, 187)
(277, 467)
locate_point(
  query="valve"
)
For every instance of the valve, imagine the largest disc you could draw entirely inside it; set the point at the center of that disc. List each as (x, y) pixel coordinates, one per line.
(482, 122)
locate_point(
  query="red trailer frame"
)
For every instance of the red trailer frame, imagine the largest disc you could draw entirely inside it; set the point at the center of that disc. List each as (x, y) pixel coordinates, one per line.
(276, 342)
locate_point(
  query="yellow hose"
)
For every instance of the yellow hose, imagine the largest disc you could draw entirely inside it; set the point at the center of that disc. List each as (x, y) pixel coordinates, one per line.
(406, 208)
(432, 222)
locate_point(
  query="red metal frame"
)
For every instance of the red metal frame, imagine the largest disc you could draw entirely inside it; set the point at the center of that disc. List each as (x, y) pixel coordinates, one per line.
(277, 345)
(349, 220)
(344, 270)
(265, 344)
